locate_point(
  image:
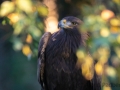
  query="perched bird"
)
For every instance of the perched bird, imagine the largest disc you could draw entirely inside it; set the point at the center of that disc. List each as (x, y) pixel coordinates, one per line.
(57, 59)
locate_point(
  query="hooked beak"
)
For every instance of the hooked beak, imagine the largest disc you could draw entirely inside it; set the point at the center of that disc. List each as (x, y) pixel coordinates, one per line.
(59, 24)
(62, 23)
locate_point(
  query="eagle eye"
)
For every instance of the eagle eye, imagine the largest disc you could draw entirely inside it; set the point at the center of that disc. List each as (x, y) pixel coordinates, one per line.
(74, 23)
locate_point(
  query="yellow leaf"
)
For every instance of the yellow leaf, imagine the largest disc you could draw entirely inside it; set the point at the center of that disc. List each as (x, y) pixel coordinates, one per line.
(111, 71)
(116, 1)
(6, 8)
(17, 30)
(107, 14)
(37, 33)
(118, 38)
(87, 68)
(80, 54)
(24, 5)
(42, 10)
(99, 68)
(114, 29)
(115, 22)
(89, 75)
(26, 50)
(104, 32)
(14, 17)
(29, 38)
(106, 87)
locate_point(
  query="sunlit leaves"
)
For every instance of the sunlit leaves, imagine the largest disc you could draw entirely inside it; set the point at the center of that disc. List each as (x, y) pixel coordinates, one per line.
(26, 50)
(17, 44)
(42, 10)
(6, 21)
(29, 38)
(115, 22)
(104, 28)
(87, 67)
(90, 10)
(111, 72)
(99, 68)
(85, 62)
(25, 18)
(93, 22)
(80, 55)
(107, 14)
(107, 87)
(25, 5)
(14, 17)
(117, 1)
(118, 39)
(117, 50)
(114, 29)
(105, 32)
(34, 31)
(102, 55)
(115, 61)
(6, 8)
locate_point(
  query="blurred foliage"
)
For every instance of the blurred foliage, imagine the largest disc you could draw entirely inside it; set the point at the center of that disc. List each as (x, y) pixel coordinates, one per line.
(21, 26)
(26, 17)
(103, 24)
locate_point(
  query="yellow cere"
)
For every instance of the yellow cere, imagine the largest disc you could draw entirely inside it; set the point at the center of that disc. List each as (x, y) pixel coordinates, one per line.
(64, 21)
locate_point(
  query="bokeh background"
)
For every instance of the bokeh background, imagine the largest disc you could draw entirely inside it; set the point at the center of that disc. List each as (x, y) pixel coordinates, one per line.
(22, 23)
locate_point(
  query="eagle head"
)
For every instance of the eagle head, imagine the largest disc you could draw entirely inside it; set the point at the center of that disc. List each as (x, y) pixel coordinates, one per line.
(69, 22)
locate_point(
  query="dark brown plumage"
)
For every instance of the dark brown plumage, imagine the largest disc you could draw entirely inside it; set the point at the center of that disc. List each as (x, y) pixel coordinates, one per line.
(57, 59)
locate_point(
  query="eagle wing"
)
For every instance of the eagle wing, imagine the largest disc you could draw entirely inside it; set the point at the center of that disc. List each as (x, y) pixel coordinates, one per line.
(41, 57)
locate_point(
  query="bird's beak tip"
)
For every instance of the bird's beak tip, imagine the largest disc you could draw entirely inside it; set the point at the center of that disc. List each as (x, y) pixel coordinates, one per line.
(59, 25)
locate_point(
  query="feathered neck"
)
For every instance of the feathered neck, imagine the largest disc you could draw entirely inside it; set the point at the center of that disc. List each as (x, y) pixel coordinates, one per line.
(76, 34)
(73, 31)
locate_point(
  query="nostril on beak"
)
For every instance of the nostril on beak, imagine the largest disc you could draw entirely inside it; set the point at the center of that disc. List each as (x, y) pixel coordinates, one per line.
(64, 21)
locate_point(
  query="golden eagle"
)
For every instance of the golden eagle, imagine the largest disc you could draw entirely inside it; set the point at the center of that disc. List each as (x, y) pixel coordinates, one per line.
(57, 59)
